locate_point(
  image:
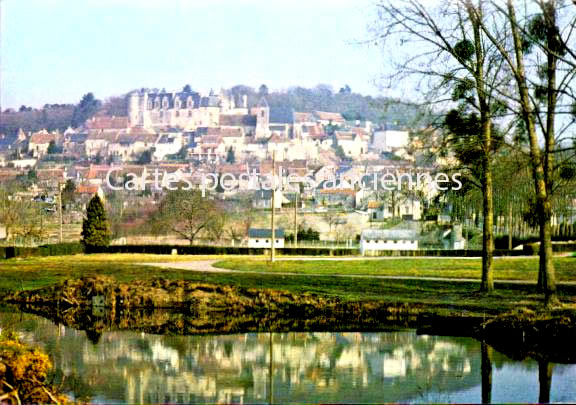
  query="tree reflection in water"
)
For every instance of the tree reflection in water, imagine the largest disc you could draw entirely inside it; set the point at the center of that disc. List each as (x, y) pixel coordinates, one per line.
(394, 366)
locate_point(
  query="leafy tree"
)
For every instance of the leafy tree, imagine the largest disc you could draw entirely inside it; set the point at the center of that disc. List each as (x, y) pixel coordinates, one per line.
(95, 227)
(32, 175)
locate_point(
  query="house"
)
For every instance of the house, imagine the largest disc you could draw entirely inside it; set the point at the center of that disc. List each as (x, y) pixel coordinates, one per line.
(129, 147)
(40, 142)
(353, 145)
(106, 123)
(406, 208)
(96, 143)
(329, 118)
(453, 239)
(87, 191)
(375, 240)
(262, 238)
(168, 143)
(390, 140)
(262, 199)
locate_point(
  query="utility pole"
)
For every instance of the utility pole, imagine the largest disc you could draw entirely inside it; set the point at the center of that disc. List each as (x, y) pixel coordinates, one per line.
(296, 218)
(272, 224)
(60, 210)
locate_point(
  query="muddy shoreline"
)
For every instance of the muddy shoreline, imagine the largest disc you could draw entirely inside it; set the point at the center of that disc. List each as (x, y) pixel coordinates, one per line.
(100, 304)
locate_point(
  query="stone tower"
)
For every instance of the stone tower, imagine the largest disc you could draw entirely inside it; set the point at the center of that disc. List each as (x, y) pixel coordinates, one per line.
(262, 113)
(134, 108)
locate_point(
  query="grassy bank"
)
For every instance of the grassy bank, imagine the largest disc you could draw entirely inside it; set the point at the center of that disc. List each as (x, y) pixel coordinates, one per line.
(37, 272)
(508, 268)
(32, 273)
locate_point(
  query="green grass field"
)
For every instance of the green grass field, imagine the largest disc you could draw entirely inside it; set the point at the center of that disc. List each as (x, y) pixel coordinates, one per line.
(504, 268)
(31, 273)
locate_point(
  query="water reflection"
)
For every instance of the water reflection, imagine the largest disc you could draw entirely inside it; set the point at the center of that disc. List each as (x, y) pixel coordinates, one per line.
(395, 366)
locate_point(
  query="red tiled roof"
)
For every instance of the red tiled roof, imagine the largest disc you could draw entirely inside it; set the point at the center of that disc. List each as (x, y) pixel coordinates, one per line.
(231, 132)
(338, 191)
(329, 116)
(87, 188)
(47, 174)
(275, 138)
(42, 138)
(107, 122)
(302, 117)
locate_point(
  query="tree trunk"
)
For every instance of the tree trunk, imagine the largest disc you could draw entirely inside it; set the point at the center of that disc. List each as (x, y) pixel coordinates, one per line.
(546, 270)
(545, 380)
(486, 372)
(487, 284)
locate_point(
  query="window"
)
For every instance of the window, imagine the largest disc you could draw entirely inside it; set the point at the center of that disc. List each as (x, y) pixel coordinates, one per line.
(262, 113)
(277, 241)
(177, 113)
(189, 113)
(257, 241)
(177, 103)
(267, 241)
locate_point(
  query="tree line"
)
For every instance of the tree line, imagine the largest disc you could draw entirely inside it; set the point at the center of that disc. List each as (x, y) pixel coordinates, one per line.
(60, 116)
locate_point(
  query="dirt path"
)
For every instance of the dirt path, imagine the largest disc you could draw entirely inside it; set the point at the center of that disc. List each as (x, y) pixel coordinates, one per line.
(207, 266)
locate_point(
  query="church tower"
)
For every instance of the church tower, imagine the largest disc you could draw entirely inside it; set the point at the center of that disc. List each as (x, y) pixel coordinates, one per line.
(262, 113)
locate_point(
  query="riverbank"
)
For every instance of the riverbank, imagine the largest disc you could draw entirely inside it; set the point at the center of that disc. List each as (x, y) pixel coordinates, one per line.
(98, 304)
(247, 300)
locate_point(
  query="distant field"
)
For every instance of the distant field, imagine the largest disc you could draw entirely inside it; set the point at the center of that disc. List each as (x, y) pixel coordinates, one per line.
(504, 268)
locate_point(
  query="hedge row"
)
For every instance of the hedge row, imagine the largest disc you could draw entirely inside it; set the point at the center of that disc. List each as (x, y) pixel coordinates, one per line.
(218, 250)
(444, 253)
(559, 247)
(57, 249)
(75, 248)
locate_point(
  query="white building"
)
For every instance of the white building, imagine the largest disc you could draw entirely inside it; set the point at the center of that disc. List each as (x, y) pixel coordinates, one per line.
(389, 141)
(262, 238)
(374, 240)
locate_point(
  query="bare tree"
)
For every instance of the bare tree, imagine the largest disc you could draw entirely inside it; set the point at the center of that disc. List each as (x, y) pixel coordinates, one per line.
(535, 44)
(452, 62)
(188, 213)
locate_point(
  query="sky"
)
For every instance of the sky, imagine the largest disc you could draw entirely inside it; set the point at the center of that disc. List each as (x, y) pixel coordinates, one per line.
(54, 51)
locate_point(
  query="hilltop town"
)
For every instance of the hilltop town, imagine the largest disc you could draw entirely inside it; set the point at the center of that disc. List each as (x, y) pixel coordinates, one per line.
(332, 161)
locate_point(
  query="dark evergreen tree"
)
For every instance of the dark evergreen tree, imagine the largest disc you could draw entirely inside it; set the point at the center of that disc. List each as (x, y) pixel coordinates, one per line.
(87, 107)
(145, 158)
(230, 156)
(95, 227)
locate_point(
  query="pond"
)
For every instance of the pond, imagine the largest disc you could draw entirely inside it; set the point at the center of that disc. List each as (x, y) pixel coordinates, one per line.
(391, 366)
